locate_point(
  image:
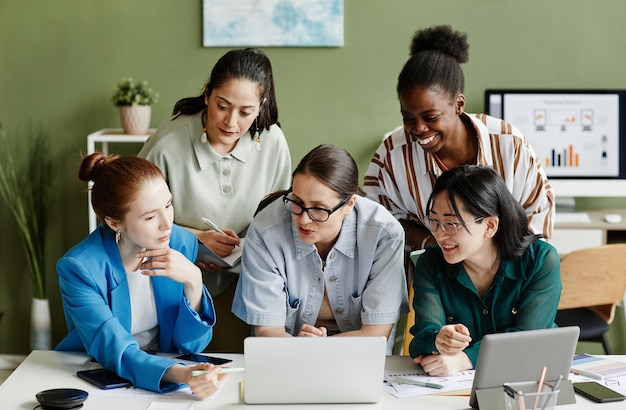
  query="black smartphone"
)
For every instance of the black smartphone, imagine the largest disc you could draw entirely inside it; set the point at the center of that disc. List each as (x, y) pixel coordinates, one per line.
(200, 358)
(597, 392)
(103, 378)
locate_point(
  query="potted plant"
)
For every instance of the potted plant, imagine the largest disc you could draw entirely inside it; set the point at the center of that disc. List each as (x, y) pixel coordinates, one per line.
(134, 99)
(26, 175)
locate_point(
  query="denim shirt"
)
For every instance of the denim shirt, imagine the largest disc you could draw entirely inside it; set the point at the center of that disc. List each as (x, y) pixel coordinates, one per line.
(282, 279)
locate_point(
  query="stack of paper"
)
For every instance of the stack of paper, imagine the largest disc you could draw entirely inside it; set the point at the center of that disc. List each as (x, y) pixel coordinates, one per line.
(598, 367)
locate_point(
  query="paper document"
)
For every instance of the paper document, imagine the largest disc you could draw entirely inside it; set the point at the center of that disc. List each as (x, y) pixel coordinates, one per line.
(208, 256)
(461, 382)
(170, 405)
(598, 367)
(182, 393)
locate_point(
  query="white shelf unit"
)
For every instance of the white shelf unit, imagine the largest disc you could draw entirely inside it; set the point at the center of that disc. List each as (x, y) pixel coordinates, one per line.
(103, 137)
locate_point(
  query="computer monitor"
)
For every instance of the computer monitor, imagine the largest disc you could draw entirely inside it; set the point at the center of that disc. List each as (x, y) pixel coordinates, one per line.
(578, 135)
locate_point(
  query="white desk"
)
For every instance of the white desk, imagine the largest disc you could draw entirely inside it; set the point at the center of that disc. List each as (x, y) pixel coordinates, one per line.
(47, 369)
(103, 137)
(570, 236)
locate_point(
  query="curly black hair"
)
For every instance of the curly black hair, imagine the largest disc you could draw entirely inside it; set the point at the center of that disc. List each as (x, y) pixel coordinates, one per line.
(436, 55)
(442, 39)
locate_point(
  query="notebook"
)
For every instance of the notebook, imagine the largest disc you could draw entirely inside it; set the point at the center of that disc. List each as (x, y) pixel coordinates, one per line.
(299, 370)
(519, 357)
(208, 256)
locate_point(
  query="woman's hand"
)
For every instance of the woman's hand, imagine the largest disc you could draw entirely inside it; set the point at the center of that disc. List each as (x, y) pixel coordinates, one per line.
(172, 264)
(222, 245)
(312, 331)
(206, 384)
(203, 385)
(444, 365)
(452, 339)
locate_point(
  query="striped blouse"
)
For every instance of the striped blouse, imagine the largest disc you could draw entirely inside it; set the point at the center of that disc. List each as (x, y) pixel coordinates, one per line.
(401, 174)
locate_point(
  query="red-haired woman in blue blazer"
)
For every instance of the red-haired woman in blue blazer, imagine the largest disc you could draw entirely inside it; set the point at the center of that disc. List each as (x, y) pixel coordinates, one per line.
(131, 285)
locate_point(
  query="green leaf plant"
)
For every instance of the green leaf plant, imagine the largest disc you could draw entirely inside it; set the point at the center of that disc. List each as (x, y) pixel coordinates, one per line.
(26, 175)
(131, 92)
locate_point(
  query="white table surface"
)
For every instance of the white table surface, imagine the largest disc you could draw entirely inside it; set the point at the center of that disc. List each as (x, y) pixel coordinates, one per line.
(45, 369)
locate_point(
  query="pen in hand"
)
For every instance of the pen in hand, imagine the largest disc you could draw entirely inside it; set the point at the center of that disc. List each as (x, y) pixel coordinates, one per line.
(212, 225)
(216, 228)
(223, 370)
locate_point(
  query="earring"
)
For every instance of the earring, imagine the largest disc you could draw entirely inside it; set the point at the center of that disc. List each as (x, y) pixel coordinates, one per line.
(203, 137)
(118, 237)
(257, 139)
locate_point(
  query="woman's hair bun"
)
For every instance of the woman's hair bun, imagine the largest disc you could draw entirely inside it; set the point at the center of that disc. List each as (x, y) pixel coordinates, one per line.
(442, 39)
(92, 165)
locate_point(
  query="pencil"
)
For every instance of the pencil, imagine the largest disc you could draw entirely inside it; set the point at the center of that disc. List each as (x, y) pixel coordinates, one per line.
(522, 405)
(555, 387)
(542, 378)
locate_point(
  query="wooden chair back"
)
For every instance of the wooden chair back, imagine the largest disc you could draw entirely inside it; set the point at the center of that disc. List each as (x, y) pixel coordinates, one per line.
(594, 278)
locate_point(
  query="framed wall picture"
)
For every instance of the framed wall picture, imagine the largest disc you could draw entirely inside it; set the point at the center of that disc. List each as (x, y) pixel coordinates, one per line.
(272, 23)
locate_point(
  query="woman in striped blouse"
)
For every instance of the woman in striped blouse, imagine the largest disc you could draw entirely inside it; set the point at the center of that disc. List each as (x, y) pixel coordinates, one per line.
(438, 135)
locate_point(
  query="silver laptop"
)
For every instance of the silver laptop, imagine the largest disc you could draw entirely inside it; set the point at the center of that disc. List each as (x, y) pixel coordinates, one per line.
(294, 370)
(520, 357)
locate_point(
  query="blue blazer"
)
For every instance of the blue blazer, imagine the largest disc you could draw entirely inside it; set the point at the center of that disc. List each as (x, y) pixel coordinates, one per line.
(96, 303)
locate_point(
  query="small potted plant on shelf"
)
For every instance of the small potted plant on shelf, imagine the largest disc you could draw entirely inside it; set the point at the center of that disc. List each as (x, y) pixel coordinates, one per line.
(134, 99)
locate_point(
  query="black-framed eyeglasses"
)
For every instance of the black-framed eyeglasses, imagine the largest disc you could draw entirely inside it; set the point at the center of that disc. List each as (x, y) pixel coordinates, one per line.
(316, 214)
(447, 227)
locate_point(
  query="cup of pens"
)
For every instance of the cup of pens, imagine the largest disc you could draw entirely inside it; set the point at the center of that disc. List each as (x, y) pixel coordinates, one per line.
(528, 395)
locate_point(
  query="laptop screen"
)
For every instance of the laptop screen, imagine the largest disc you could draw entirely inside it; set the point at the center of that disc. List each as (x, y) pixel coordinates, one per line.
(292, 370)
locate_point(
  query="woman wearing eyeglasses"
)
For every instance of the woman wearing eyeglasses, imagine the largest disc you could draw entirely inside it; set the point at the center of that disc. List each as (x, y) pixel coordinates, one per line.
(322, 260)
(488, 274)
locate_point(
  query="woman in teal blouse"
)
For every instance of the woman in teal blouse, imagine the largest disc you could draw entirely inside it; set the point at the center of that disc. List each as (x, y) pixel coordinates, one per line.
(488, 274)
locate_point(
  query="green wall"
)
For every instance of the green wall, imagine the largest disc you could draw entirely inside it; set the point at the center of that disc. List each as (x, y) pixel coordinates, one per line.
(59, 62)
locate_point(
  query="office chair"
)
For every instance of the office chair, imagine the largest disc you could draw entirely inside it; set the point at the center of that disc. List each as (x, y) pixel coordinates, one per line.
(410, 317)
(594, 280)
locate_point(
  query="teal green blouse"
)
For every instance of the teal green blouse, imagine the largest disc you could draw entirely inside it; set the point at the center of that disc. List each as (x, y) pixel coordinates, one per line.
(524, 295)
